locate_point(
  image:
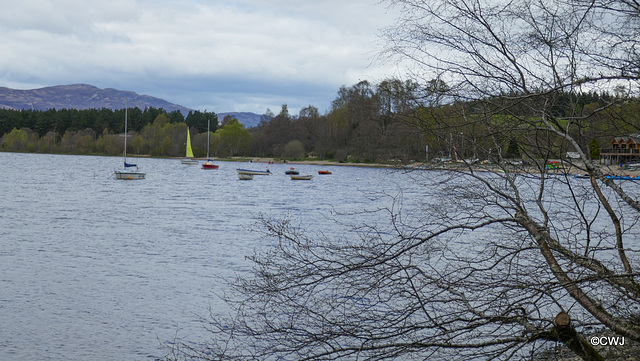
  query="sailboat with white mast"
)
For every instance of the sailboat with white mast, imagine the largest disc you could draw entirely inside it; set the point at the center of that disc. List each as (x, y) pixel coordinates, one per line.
(129, 170)
(209, 163)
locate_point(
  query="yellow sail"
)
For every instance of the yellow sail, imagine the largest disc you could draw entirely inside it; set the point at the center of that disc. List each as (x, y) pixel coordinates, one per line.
(189, 151)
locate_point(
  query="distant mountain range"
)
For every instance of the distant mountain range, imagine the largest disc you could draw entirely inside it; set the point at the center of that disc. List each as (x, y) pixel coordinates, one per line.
(85, 96)
(249, 120)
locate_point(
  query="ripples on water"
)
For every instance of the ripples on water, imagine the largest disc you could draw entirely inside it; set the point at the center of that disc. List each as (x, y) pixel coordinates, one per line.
(92, 268)
(97, 269)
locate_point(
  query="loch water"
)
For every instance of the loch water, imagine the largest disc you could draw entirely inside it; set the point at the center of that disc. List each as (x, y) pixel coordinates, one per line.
(94, 268)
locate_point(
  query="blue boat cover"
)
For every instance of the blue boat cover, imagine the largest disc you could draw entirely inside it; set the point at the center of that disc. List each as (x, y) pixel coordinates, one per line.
(129, 165)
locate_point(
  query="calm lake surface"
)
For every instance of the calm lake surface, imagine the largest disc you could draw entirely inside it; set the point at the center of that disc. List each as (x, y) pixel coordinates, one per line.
(93, 268)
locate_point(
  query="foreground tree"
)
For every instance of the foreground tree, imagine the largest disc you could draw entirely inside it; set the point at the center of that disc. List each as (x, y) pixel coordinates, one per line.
(493, 265)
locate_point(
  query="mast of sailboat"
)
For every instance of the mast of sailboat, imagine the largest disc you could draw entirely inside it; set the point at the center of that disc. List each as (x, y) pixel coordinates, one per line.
(208, 124)
(126, 105)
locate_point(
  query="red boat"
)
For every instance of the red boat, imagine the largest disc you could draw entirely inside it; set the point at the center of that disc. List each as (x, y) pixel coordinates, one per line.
(324, 172)
(209, 165)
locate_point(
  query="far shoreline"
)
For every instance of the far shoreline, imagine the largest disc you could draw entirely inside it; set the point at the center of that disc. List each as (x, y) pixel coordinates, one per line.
(491, 167)
(309, 162)
(569, 169)
(614, 169)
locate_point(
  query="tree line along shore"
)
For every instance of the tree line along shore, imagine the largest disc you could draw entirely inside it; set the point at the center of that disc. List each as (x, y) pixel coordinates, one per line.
(393, 122)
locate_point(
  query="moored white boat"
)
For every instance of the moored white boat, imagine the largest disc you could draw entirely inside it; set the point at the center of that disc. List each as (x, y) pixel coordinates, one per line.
(243, 176)
(189, 161)
(301, 177)
(128, 171)
(253, 172)
(129, 174)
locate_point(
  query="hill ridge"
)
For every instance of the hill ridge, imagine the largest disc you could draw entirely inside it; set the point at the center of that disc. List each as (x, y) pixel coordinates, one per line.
(83, 96)
(80, 96)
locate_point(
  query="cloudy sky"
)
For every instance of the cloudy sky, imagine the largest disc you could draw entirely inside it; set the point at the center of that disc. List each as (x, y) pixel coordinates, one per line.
(216, 55)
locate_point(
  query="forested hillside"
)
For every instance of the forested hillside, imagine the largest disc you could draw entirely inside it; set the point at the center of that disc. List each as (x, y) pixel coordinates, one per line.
(385, 122)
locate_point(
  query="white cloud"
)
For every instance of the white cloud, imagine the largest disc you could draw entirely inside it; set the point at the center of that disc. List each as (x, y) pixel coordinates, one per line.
(132, 45)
